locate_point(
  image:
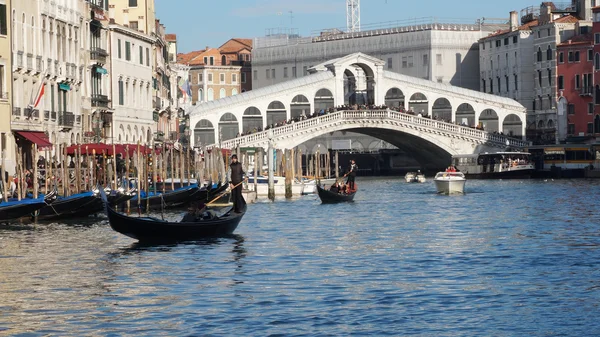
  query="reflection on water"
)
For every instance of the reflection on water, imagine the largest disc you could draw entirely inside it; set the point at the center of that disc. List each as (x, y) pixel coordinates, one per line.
(507, 258)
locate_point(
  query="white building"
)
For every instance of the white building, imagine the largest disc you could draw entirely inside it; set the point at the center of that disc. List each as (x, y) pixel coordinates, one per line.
(131, 69)
(442, 52)
(506, 63)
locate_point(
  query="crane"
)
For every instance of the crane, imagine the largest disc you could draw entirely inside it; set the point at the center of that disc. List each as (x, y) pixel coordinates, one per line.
(353, 15)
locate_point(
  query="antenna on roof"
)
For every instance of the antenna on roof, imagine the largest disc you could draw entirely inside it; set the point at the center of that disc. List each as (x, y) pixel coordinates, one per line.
(353, 15)
(291, 19)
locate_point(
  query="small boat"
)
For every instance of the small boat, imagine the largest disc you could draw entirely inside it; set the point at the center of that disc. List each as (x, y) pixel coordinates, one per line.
(15, 209)
(450, 182)
(66, 206)
(415, 177)
(328, 197)
(150, 229)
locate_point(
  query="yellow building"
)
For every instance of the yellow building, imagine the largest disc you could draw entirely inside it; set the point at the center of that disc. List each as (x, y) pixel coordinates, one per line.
(135, 14)
(5, 87)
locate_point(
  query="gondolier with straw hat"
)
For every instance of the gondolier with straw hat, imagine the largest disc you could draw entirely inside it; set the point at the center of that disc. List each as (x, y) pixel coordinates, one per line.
(235, 175)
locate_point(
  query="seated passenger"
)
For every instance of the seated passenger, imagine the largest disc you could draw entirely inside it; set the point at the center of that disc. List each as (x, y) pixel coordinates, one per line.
(334, 188)
(195, 212)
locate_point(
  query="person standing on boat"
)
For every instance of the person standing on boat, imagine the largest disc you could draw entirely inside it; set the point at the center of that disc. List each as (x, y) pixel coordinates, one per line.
(235, 175)
(351, 174)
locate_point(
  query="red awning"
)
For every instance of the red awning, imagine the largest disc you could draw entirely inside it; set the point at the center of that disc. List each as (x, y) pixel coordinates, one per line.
(36, 137)
(108, 149)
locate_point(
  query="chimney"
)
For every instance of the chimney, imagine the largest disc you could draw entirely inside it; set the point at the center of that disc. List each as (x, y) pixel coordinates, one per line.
(514, 21)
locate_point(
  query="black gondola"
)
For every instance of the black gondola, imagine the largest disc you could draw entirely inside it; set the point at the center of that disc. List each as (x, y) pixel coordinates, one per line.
(12, 210)
(179, 197)
(97, 205)
(328, 197)
(155, 230)
(66, 206)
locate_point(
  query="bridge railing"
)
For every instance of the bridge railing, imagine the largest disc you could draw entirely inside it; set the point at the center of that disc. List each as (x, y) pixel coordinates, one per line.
(481, 135)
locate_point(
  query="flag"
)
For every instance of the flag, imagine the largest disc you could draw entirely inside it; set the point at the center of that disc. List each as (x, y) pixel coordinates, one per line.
(39, 93)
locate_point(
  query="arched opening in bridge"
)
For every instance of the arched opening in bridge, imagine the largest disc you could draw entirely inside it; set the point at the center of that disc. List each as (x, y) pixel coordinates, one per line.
(300, 106)
(323, 100)
(276, 113)
(465, 115)
(394, 98)
(512, 126)
(204, 133)
(541, 125)
(252, 120)
(228, 126)
(359, 84)
(442, 110)
(550, 124)
(489, 120)
(418, 103)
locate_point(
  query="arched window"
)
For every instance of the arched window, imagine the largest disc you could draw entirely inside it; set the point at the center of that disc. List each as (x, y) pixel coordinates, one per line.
(597, 61)
(234, 92)
(211, 94)
(539, 54)
(549, 53)
(222, 93)
(223, 60)
(200, 95)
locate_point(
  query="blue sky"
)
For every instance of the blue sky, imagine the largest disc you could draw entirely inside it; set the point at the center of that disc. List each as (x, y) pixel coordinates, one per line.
(201, 23)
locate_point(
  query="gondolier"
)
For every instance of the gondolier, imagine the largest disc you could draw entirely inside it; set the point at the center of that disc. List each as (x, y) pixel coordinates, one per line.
(235, 175)
(351, 174)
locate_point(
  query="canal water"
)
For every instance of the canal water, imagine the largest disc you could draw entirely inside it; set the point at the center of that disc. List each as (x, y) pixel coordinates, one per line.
(509, 258)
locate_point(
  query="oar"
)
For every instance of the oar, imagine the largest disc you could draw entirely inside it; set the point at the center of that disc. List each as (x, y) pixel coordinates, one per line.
(220, 195)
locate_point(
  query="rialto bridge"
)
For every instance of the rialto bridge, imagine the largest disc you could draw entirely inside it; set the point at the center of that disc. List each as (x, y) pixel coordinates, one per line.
(441, 123)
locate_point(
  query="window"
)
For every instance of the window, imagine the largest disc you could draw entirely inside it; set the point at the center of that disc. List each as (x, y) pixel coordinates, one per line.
(205, 60)
(438, 59)
(273, 73)
(549, 53)
(577, 81)
(223, 60)
(483, 46)
(491, 86)
(561, 57)
(499, 84)
(127, 50)
(516, 82)
(515, 39)
(506, 80)
(390, 65)
(539, 54)
(549, 76)
(243, 77)
(268, 73)
(590, 108)
(233, 78)
(222, 93)
(132, 3)
(3, 20)
(571, 129)
(256, 75)
(590, 128)
(148, 57)
(506, 41)
(483, 85)
(119, 48)
(212, 61)
(141, 55)
(570, 57)
(597, 38)
(285, 72)
(498, 43)
(210, 79)
(410, 61)
(540, 78)
(404, 62)
(121, 93)
(133, 25)
(577, 56)
(221, 78)
(200, 95)
(597, 61)
(426, 60)
(561, 82)
(200, 78)
(294, 74)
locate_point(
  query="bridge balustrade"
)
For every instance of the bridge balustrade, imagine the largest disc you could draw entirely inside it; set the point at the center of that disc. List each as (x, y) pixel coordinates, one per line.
(375, 115)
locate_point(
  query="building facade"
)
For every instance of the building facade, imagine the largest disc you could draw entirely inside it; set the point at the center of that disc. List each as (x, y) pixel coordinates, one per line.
(442, 52)
(136, 14)
(131, 69)
(6, 143)
(238, 52)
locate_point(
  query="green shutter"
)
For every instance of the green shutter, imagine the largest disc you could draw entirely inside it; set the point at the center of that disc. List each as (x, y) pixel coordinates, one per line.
(3, 19)
(127, 51)
(141, 55)
(119, 48)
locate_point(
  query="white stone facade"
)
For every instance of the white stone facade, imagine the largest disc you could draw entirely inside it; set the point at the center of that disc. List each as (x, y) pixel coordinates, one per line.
(131, 62)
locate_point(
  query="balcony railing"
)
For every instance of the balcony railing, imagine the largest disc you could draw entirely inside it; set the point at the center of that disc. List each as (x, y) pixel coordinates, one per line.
(49, 64)
(53, 115)
(39, 67)
(586, 91)
(29, 62)
(100, 101)
(16, 111)
(46, 114)
(66, 120)
(19, 60)
(99, 55)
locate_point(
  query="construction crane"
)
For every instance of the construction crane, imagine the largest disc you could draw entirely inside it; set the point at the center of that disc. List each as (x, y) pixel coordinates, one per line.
(353, 15)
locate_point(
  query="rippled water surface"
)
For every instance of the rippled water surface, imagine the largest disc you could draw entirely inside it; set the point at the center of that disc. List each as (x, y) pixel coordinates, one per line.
(509, 258)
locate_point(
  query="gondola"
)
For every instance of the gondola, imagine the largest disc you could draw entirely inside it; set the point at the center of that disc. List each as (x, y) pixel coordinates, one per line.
(15, 209)
(149, 229)
(97, 205)
(66, 206)
(328, 197)
(179, 197)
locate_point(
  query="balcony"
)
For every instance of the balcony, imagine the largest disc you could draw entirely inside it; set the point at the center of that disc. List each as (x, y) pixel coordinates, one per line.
(16, 111)
(100, 101)
(157, 103)
(49, 65)
(98, 55)
(19, 60)
(66, 120)
(586, 91)
(29, 62)
(39, 67)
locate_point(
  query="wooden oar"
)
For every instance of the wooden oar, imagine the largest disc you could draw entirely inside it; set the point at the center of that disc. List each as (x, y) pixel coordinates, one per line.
(220, 195)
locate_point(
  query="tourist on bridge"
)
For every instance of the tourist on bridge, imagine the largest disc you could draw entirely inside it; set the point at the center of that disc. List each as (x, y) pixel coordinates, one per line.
(235, 176)
(351, 174)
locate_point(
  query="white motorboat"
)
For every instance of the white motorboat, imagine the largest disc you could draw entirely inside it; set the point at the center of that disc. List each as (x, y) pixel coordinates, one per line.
(262, 186)
(415, 177)
(310, 186)
(450, 182)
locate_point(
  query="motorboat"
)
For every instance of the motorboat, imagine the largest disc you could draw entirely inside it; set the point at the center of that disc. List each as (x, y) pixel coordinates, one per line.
(495, 165)
(415, 177)
(450, 182)
(262, 186)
